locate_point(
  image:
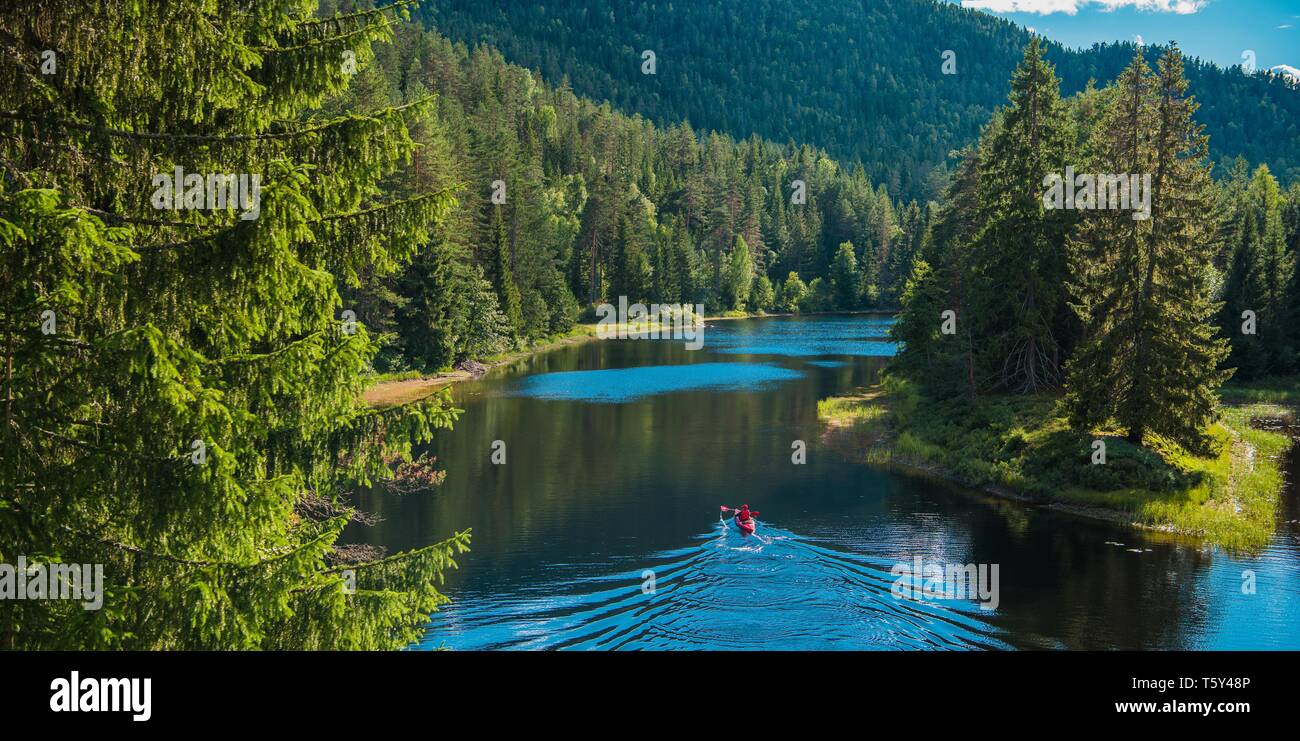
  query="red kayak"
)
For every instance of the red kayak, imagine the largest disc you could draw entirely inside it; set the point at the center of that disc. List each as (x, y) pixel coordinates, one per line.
(746, 526)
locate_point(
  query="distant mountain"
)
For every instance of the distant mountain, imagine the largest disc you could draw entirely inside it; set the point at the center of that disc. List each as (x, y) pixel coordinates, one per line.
(863, 80)
(1287, 71)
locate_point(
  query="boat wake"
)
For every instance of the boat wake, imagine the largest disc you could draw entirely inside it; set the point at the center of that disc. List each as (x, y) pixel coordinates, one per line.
(775, 590)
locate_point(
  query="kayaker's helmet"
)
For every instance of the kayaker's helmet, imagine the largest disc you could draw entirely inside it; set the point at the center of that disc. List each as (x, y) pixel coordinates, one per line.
(744, 508)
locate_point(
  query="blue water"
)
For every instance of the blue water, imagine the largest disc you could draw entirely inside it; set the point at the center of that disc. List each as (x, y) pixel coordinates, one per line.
(621, 452)
(725, 591)
(626, 384)
(861, 336)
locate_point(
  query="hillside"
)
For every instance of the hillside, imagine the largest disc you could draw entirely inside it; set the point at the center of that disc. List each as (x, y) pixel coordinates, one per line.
(860, 80)
(596, 204)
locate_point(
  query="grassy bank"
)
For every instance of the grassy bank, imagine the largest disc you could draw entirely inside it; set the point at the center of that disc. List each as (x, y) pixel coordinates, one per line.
(403, 388)
(1021, 447)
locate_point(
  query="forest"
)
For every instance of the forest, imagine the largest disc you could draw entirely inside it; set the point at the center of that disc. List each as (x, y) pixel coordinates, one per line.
(592, 204)
(1139, 320)
(864, 81)
(1081, 356)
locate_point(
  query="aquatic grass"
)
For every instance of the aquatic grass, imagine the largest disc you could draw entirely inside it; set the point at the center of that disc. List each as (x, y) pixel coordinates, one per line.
(1023, 446)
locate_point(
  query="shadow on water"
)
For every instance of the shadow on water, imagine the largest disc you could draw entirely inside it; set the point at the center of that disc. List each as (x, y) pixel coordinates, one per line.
(622, 472)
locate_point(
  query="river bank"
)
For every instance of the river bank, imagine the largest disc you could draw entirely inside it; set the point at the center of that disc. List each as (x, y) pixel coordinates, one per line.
(1019, 448)
(405, 388)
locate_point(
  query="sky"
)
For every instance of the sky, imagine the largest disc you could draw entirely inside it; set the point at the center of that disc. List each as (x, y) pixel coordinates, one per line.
(1219, 31)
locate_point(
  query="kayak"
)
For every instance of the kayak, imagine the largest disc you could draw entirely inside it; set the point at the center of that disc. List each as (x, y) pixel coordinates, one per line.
(746, 526)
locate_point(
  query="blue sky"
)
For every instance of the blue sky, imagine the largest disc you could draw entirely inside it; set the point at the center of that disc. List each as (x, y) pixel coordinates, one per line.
(1219, 31)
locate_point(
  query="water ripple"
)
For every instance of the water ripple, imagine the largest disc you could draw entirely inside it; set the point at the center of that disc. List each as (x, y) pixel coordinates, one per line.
(725, 592)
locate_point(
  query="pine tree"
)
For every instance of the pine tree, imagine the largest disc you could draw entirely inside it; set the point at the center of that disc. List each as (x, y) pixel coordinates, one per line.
(1150, 359)
(925, 353)
(845, 277)
(1018, 297)
(191, 419)
(792, 294)
(739, 276)
(1259, 277)
(763, 296)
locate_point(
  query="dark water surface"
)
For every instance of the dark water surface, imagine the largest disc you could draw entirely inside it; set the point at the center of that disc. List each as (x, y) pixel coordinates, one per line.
(619, 454)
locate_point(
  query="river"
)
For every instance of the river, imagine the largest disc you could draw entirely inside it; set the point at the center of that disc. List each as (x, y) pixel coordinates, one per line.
(601, 530)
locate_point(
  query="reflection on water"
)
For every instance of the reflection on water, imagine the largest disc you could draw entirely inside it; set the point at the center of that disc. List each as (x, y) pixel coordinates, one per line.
(594, 495)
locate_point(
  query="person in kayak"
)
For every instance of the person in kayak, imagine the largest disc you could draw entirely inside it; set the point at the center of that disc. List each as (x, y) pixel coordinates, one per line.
(743, 514)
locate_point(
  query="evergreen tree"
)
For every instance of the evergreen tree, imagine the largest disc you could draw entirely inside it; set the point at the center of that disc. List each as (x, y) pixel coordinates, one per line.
(189, 416)
(792, 294)
(845, 278)
(1150, 359)
(762, 297)
(739, 276)
(1259, 279)
(1018, 299)
(925, 353)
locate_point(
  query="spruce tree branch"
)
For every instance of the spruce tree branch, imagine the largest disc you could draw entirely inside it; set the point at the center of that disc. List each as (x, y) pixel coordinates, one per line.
(109, 215)
(458, 541)
(255, 357)
(209, 237)
(139, 551)
(394, 204)
(210, 138)
(368, 28)
(358, 14)
(92, 447)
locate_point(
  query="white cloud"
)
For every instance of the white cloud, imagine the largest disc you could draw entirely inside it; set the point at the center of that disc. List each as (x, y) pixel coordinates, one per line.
(1070, 7)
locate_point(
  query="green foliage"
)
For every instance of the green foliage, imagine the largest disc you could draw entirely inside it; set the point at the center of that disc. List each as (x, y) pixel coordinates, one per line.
(762, 297)
(864, 80)
(192, 422)
(1260, 275)
(791, 295)
(819, 297)
(1017, 298)
(1150, 360)
(597, 205)
(739, 277)
(1131, 313)
(845, 277)
(925, 352)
